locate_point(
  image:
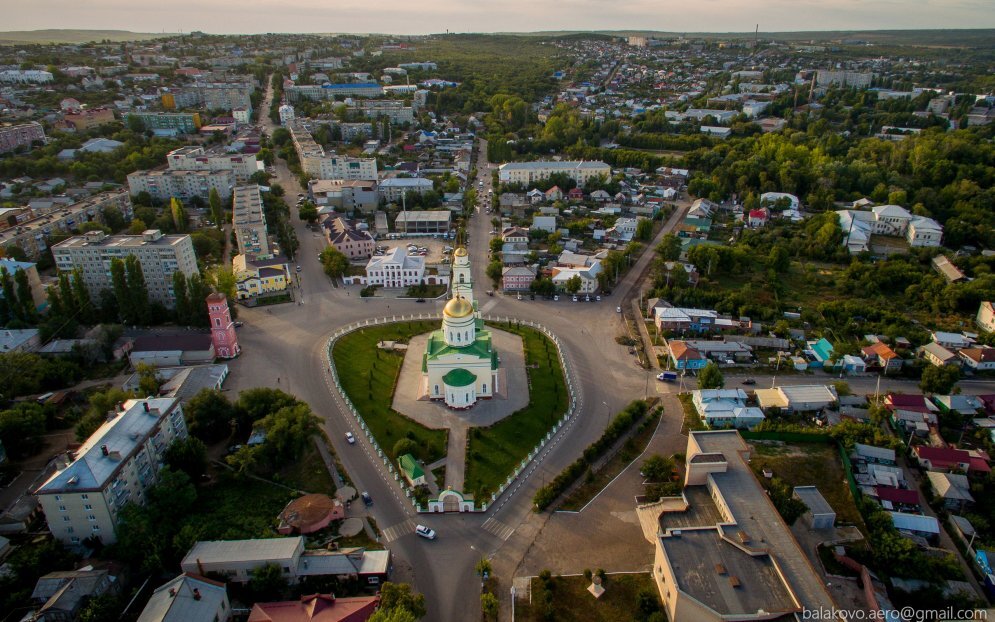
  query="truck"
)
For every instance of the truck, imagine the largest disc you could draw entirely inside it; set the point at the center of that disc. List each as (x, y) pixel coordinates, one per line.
(668, 376)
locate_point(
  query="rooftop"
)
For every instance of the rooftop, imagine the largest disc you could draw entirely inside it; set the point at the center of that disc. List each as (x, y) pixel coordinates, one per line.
(240, 551)
(176, 600)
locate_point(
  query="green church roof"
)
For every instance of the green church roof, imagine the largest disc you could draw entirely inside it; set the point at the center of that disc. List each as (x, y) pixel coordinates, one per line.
(459, 378)
(410, 466)
(437, 346)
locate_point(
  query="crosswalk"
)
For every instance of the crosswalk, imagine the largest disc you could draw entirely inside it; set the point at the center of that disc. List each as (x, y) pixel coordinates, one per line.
(396, 531)
(498, 528)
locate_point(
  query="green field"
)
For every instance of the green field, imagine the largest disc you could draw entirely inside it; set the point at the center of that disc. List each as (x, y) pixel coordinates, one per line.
(13, 37)
(572, 602)
(369, 375)
(494, 452)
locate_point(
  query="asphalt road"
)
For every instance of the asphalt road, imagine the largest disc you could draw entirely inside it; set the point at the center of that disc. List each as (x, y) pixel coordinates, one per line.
(284, 346)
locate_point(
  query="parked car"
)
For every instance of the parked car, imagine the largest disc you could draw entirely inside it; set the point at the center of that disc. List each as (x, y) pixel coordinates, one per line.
(749, 381)
(367, 499)
(556, 298)
(350, 438)
(420, 300)
(618, 309)
(239, 324)
(298, 268)
(425, 532)
(598, 298)
(575, 299)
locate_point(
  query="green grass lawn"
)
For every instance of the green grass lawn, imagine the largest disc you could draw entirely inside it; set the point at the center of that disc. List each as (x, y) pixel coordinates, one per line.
(809, 464)
(234, 509)
(572, 602)
(369, 375)
(494, 452)
(308, 473)
(692, 420)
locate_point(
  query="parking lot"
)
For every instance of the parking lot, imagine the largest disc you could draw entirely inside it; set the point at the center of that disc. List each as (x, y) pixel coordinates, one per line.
(434, 247)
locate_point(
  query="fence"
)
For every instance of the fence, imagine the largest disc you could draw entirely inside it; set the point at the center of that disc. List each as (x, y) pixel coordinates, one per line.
(534, 455)
(788, 437)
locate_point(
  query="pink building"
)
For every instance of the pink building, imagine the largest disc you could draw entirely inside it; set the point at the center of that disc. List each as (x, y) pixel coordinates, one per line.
(222, 328)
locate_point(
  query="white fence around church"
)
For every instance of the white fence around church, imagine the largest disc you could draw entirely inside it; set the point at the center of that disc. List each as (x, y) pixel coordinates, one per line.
(534, 457)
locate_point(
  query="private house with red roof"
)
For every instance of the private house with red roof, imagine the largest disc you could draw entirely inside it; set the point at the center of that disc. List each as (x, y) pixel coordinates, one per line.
(684, 356)
(758, 217)
(316, 608)
(880, 355)
(910, 402)
(942, 458)
(980, 359)
(898, 499)
(575, 194)
(554, 194)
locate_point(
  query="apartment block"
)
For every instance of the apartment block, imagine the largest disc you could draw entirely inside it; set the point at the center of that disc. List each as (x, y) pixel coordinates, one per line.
(211, 96)
(21, 135)
(86, 118)
(183, 185)
(526, 173)
(858, 79)
(347, 195)
(250, 221)
(242, 165)
(395, 110)
(115, 466)
(160, 256)
(168, 123)
(31, 235)
(330, 91)
(318, 164)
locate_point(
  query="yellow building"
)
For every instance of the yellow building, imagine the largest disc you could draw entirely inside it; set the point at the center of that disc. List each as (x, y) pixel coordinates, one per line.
(260, 276)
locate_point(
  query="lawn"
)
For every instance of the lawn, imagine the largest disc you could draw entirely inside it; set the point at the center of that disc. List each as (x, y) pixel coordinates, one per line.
(634, 446)
(234, 509)
(494, 452)
(809, 464)
(692, 420)
(308, 473)
(572, 602)
(359, 362)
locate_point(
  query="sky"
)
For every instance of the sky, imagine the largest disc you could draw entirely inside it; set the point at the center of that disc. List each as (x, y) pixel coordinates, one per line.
(434, 16)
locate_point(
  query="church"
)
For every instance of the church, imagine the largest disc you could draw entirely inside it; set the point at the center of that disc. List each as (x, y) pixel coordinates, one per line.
(460, 364)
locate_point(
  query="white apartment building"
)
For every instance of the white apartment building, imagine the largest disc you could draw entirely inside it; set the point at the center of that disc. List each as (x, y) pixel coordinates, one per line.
(184, 185)
(286, 114)
(32, 235)
(394, 188)
(526, 173)
(861, 80)
(115, 466)
(242, 165)
(319, 165)
(396, 269)
(249, 222)
(25, 76)
(160, 256)
(893, 220)
(20, 135)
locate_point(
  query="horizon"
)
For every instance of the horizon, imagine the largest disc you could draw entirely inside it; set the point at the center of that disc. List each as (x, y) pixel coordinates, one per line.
(390, 17)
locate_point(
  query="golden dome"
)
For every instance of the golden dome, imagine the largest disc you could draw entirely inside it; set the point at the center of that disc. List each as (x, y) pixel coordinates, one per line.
(458, 307)
(460, 252)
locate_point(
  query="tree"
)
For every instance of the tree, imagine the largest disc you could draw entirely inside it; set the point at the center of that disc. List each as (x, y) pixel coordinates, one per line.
(494, 271)
(405, 446)
(658, 468)
(308, 211)
(334, 262)
(669, 247)
(81, 298)
(214, 199)
(496, 245)
(181, 306)
(137, 289)
(393, 615)
(188, 455)
(29, 313)
(778, 259)
(644, 229)
(21, 427)
(255, 404)
(101, 403)
(268, 583)
(289, 430)
(483, 567)
(148, 380)
(489, 605)
(710, 377)
(400, 596)
(939, 380)
(573, 284)
(178, 214)
(119, 285)
(209, 415)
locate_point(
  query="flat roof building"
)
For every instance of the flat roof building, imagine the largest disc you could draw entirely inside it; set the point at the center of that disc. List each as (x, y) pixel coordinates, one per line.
(13, 137)
(32, 235)
(249, 221)
(191, 158)
(393, 188)
(427, 221)
(160, 256)
(183, 185)
(820, 514)
(526, 173)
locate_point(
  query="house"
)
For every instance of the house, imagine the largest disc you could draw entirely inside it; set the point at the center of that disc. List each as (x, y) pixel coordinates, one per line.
(352, 243)
(821, 351)
(316, 608)
(758, 217)
(852, 364)
(554, 194)
(725, 408)
(575, 194)
(954, 341)
(588, 276)
(900, 499)
(908, 402)
(517, 278)
(396, 269)
(980, 359)
(544, 223)
(236, 559)
(820, 514)
(600, 196)
(63, 594)
(722, 351)
(916, 524)
(515, 235)
(309, 513)
(876, 455)
(789, 201)
(938, 355)
(676, 319)
(188, 598)
(23, 340)
(986, 317)
(623, 230)
(172, 350)
(953, 488)
(259, 277)
(535, 196)
(948, 269)
(942, 458)
(963, 404)
(880, 355)
(684, 357)
(702, 208)
(797, 398)
(411, 470)
(514, 254)
(692, 226)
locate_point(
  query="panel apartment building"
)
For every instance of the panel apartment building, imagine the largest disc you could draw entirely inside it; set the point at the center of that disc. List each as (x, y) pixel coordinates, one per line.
(395, 110)
(526, 173)
(211, 96)
(242, 165)
(858, 79)
(168, 123)
(249, 222)
(183, 185)
(13, 137)
(330, 91)
(115, 466)
(160, 255)
(319, 165)
(31, 234)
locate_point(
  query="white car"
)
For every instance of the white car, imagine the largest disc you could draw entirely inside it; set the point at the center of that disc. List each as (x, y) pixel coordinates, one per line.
(618, 309)
(350, 438)
(425, 532)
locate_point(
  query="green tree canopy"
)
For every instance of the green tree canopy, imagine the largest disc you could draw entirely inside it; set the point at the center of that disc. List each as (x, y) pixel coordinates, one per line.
(710, 377)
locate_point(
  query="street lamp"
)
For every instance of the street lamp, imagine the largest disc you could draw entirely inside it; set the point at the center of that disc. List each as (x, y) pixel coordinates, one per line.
(608, 414)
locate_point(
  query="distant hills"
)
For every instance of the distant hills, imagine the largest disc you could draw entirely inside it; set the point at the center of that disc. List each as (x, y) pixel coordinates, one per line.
(14, 37)
(967, 37)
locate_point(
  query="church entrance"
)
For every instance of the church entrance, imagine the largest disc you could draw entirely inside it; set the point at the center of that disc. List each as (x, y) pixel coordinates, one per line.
(450, 503)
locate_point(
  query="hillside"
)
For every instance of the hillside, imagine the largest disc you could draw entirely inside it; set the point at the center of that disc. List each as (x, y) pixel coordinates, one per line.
(15, 37)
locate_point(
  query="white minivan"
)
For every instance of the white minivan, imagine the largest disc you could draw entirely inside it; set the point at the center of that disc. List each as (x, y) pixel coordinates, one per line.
(425, 532)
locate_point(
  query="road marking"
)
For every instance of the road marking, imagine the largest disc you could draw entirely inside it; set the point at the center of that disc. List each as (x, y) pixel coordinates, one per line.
(396, 531)
(498, 528)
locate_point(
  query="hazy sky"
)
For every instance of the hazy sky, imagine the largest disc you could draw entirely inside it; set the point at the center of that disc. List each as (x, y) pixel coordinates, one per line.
(430, 16)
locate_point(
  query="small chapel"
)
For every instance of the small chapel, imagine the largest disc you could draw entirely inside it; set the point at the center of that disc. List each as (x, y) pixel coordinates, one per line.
(460, 364)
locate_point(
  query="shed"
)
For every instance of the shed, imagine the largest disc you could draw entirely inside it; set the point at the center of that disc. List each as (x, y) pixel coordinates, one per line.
(820, 514)
(411, 469)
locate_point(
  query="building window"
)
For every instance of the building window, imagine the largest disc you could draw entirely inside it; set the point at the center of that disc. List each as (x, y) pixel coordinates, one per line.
(62, 508)
(484, 387)
(83, 496)
(91, 517)
(87, 506)
(66, 519)
(69, 530)
(58, 497)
